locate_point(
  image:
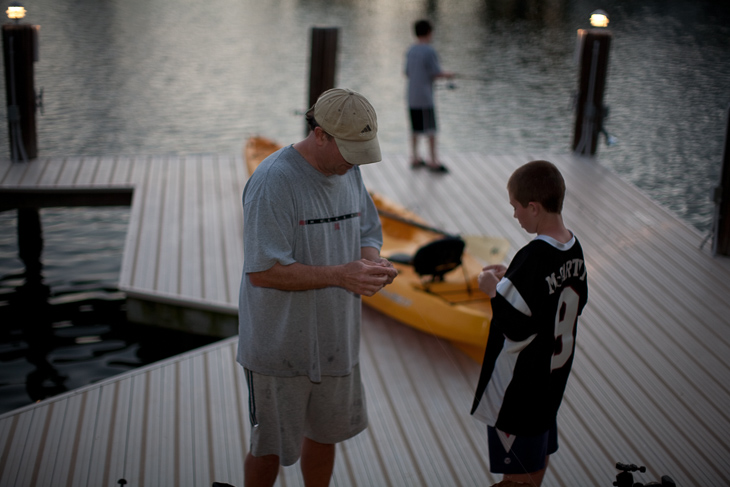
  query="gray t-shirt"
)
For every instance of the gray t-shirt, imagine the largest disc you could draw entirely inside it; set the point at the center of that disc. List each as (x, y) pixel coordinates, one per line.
(422, 66)
(293, 213)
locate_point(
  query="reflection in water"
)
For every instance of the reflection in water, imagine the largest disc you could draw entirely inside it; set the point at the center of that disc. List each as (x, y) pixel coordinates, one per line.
(31, 309)
(31, 300)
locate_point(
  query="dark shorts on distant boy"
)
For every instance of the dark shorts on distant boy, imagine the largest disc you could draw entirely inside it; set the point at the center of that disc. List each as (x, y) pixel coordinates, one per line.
(423, 120)
(509, 454)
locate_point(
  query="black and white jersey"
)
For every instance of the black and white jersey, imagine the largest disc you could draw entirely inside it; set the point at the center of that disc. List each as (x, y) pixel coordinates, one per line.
(532, 337)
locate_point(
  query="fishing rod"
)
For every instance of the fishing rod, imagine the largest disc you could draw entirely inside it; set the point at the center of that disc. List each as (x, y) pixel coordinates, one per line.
(469, 77)
(450, 85)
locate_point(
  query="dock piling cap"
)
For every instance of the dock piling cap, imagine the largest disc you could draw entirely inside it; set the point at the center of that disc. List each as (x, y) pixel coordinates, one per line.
(351, 120)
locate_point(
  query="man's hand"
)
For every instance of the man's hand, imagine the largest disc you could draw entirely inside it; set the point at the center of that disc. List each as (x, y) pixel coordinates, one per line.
(391, 273)
(490, 277)
(367, 277)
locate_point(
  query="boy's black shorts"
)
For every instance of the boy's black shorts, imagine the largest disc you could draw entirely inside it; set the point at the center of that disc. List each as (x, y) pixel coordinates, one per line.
(423, 120)
(520, 454)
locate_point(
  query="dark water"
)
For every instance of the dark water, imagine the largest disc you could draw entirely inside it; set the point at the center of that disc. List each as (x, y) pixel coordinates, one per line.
(68, 328)
(183, 76)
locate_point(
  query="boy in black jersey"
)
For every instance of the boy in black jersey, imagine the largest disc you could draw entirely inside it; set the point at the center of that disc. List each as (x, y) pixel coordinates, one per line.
(535, 302)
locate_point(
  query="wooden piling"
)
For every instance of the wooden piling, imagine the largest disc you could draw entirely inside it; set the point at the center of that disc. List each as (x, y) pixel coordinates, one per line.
(30, 242)
(590, 111)
(19, 50)
(323, 63)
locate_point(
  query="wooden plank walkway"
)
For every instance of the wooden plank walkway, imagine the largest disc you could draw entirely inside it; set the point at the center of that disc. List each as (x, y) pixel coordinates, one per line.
(650, 381)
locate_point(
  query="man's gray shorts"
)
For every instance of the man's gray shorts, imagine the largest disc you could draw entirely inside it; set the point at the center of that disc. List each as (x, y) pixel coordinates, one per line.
(284, 410)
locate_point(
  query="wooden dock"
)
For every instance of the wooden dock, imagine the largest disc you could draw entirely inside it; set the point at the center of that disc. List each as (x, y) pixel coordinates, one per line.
(650, 381)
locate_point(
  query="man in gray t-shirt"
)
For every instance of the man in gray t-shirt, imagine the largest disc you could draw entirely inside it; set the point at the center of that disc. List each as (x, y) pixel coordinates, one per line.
(422, 68)
(312, 240)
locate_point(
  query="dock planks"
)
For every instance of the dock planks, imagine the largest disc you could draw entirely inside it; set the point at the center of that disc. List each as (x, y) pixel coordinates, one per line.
(650, 377)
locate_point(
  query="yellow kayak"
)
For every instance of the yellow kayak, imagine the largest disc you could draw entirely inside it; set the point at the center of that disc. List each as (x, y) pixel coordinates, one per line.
(256, 150)
(436, 290)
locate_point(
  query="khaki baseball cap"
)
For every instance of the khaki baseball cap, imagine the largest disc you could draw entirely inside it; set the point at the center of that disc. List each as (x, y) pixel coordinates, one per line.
(350, 119)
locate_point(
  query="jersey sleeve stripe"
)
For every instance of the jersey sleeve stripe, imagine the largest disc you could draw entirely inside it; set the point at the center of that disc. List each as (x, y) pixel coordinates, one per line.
(509, 292)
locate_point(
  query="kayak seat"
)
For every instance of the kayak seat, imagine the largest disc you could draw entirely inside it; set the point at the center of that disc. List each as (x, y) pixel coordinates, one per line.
(435, 258)
(439, 257)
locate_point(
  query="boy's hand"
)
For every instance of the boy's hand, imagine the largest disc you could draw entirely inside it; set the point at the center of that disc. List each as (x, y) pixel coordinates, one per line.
(489, 277)
(499, 269)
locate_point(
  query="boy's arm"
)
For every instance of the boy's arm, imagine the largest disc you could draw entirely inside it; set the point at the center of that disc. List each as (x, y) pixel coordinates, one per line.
(511, 312)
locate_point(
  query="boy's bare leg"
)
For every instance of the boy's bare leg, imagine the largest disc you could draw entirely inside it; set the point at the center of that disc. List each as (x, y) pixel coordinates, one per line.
(260, 471)
(533, 479)
(318, 462)
(432, 150)
(414, 148)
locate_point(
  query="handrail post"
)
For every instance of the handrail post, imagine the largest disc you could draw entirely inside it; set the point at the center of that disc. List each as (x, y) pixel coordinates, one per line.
(594, 46)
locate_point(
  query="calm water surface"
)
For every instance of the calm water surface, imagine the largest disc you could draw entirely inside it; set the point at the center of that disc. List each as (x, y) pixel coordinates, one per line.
(182, 76)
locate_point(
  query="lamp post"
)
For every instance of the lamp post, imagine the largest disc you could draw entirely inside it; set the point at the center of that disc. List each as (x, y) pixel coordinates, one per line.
(20, 52)
(593, 51)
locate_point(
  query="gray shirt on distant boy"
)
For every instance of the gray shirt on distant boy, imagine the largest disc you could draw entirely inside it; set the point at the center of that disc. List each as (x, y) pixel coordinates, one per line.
(422, 66)
(294, 213)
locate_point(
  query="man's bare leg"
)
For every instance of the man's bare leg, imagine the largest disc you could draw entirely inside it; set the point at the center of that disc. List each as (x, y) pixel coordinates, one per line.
(260, 471)
(318, 462)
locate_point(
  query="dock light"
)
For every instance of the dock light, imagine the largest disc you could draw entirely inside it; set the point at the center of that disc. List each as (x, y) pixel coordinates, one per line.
(599, 18)
(15, 11)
